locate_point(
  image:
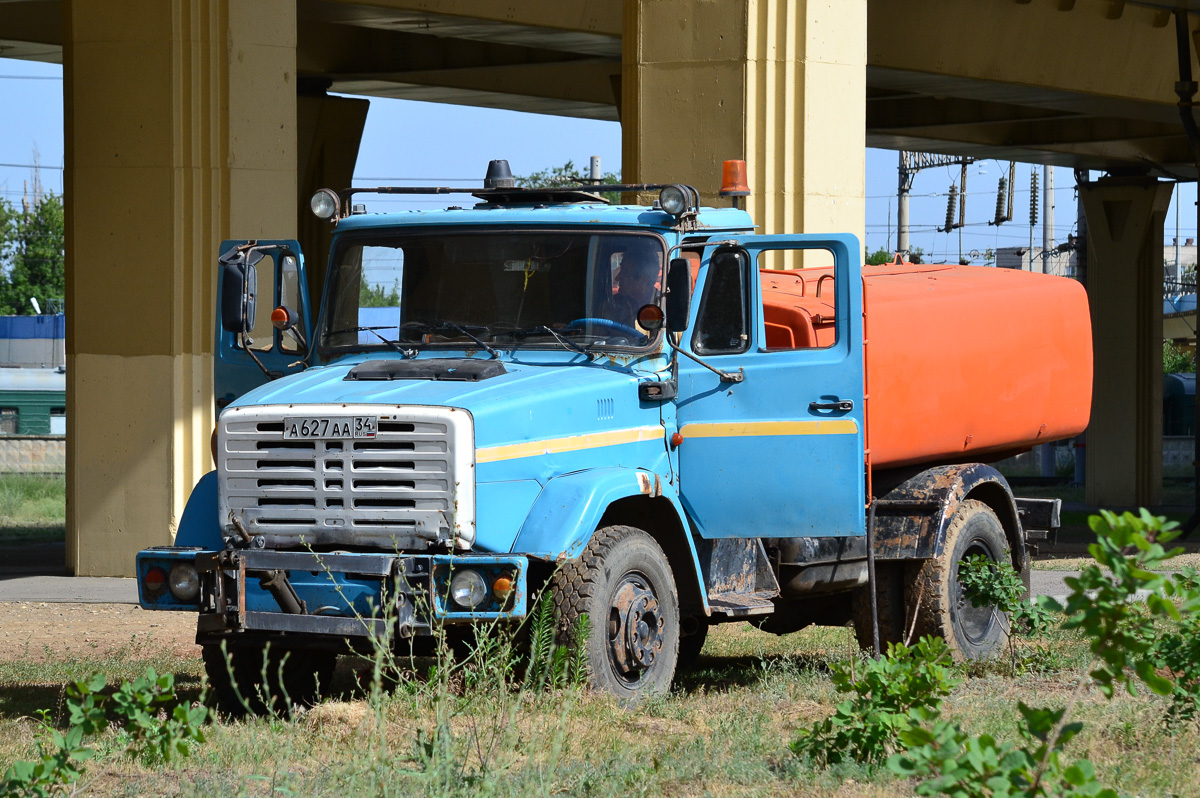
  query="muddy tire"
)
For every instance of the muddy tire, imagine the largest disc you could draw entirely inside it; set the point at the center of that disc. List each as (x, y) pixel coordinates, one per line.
(889, 579)
(623, 583)
(942, 609)
(292, 678)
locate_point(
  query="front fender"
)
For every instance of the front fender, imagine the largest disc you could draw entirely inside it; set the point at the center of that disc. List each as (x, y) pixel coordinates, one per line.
(199, 525)
(569, 509)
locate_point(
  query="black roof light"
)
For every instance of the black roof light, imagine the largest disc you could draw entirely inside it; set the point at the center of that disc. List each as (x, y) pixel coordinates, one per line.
(499, 175)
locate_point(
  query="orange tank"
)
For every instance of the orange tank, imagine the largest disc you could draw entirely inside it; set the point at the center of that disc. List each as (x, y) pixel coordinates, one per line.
(963, 363)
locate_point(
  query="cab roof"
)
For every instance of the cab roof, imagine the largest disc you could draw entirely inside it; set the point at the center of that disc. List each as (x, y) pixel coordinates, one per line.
(574, 214)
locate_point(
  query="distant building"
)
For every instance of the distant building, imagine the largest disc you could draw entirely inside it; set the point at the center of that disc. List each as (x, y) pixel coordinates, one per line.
(1062, 263)
(33, 341)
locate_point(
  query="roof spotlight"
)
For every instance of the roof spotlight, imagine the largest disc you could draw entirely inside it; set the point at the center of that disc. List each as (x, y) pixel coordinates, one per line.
(325, 203)
(673, 199)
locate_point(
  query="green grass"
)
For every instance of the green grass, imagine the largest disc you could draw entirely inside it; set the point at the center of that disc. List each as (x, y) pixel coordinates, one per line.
(32, 509)
(723, 731)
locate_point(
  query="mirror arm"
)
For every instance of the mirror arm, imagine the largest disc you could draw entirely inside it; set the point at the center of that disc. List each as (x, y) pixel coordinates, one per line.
(726, 376)
(271, 375)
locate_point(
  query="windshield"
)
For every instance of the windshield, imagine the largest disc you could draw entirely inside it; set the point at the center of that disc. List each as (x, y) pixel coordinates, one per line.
(491, 289)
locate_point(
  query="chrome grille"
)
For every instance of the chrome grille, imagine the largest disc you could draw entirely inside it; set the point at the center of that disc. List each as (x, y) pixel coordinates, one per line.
(409, 487)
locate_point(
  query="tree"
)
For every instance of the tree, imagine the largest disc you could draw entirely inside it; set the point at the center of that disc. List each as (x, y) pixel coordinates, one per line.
(1176, 361)
(879, 256)
(31, 253)
(915, 255)
(376, 296)
(567, 176)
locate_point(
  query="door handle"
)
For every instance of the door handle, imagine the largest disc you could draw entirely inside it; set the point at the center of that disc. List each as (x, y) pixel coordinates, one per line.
(839, 404)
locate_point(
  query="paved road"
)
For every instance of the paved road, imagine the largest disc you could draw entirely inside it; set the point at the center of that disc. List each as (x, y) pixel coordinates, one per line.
(98, 590)
(68, 589)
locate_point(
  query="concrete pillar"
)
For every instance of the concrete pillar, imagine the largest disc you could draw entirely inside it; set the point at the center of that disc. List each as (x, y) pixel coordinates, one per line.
(180, 131)
(329, 132)
(1124, 279)
(780, 84)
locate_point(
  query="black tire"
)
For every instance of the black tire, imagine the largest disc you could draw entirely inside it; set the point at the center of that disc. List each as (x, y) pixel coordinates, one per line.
(622, 576)
(942, 609)
(691, 645)
(293, 678)
(889, 580)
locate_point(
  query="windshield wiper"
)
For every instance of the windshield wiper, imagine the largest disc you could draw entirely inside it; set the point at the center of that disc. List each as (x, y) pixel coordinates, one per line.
(408, 353)
(569, 344)
(450, 325)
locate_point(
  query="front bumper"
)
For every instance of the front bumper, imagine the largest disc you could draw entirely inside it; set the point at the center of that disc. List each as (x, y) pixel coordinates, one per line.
(343, 595)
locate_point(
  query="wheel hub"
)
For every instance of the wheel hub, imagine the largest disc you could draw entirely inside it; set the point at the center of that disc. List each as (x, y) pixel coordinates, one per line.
(636, 627)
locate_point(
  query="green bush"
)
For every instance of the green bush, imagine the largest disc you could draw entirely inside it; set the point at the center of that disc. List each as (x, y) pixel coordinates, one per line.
(157, 725)
(957, 764)
(896, 693)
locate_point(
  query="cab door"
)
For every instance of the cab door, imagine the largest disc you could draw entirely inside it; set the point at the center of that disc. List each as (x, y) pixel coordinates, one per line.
(271, 272)
(780, 452)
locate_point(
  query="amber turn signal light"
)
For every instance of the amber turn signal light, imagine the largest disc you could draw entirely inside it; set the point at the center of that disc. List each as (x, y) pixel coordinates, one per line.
(733, 180)
(650, 318)
(502, 588)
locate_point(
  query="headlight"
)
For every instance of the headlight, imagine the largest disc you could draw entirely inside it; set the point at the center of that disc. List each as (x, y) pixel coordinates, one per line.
(325, 203)
(673, 200)
(184, 582)
(468, 589)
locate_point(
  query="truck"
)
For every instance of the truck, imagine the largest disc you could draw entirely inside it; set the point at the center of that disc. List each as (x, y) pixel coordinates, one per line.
(648, 414)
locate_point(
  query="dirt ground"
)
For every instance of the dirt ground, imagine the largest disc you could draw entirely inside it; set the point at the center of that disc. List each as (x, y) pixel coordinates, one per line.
(35, 631)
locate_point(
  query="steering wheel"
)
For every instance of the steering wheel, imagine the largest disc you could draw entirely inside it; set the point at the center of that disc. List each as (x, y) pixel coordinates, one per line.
(615, 326)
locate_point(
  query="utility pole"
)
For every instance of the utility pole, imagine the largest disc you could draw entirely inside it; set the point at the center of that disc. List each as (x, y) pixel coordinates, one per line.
(1049, 462)
(1048, 210)
(906, 179)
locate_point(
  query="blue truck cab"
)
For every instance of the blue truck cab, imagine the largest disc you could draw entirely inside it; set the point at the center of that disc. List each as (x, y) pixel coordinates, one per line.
(541, 394)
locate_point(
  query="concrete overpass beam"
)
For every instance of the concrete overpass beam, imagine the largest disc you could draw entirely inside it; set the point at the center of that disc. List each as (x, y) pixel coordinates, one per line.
(780, 84)
(1124, 278)
(180, 131)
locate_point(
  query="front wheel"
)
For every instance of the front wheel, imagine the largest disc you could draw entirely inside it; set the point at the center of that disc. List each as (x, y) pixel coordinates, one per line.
(943, 609)
(248, 678)
(623, 584)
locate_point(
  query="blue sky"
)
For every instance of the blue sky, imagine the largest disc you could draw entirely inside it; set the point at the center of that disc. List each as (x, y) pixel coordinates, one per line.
(454, 143)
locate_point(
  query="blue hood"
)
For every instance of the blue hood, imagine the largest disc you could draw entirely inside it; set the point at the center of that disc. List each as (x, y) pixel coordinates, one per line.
(532, 401)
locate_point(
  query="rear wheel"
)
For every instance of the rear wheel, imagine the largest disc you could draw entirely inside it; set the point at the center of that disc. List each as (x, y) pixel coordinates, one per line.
(942, 607)
(623, 584)
(248, 679)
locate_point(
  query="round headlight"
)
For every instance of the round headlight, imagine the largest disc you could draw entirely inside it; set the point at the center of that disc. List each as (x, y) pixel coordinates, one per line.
(184, 582)
(468, 589)
(325, 203)
(673, 200)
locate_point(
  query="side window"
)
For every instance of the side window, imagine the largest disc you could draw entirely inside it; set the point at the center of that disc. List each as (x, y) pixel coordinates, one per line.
(263, 334)
(289, 295)
(798, 303)
(8, 420)
(723, 324)
(58, 421)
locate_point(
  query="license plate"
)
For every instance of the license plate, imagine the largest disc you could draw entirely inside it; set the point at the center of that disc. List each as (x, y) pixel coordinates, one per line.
(316, 427)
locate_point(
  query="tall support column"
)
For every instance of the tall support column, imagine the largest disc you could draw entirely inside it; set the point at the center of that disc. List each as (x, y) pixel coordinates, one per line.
(780, 84)
(180, 131)
(1124, 279)
(330, 131)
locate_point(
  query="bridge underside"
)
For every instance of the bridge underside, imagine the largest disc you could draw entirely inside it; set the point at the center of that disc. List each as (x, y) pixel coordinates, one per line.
(215, 115)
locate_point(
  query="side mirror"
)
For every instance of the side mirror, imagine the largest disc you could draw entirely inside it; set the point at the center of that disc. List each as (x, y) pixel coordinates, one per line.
(679, 294)
(239, 290)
